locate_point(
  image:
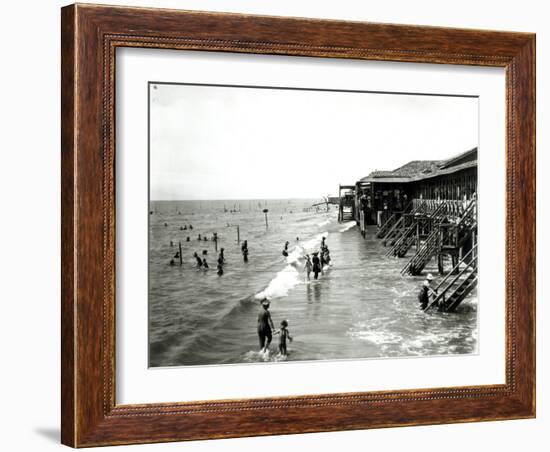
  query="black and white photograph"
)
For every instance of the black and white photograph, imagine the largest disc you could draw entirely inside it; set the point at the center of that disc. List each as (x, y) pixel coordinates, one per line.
(292, 224)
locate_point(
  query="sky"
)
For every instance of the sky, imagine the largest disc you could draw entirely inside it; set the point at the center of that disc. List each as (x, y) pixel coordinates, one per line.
(210, 142)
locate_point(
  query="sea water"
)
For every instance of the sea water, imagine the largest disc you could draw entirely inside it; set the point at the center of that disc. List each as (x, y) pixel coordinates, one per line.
(360, 307)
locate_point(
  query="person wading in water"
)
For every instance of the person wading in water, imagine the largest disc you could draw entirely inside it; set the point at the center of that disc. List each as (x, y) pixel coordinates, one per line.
(265, 326)
(198, 259)
(308, 267)
(316, 265)
(244, 250)
(284, 334)
(285, 250)
(425, 292)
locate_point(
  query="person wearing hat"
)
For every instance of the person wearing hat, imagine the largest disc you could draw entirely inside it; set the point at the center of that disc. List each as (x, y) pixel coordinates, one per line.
(425, 291)
(265, 326)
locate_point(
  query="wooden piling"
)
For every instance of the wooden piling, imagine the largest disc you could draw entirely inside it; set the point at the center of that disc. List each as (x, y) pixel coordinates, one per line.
(181, 254)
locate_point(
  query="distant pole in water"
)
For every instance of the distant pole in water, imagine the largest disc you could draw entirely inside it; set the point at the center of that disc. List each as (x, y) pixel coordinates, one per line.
(238, 235)
(265, 213)
(181, 254)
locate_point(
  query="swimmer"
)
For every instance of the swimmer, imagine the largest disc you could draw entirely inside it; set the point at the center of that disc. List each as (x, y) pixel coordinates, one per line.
(285, 250)
(316, 265)
(284, 334)
(244, 250)
(265, 326)
(198, 259)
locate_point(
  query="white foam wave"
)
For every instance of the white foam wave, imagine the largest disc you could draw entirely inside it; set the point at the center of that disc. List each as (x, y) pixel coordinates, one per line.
(311, 244)
(279, 286)
(289, 277)
(347, 226)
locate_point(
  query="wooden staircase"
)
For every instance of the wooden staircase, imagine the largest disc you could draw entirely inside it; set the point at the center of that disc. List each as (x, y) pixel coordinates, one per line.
(401, 227)
(403, 242)
(427, 250)
(387, 225)
(408, 238)
(391, 221)
(457, 285)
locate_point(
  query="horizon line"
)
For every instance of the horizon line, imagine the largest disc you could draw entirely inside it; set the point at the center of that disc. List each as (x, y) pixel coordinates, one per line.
(242, 199)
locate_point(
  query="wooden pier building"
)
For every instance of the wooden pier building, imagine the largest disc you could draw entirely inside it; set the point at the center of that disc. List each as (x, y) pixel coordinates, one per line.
(426, 209)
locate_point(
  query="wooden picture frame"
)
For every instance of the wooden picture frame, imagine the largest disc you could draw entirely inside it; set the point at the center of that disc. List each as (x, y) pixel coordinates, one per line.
(90, 36)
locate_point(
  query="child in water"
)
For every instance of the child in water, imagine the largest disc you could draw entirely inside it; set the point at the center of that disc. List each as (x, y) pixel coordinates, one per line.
(284, 334)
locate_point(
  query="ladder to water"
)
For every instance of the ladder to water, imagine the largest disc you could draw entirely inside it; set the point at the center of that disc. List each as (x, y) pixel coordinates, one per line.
(390, 223)
(457, 285)
(427, 250)
(400, 227)
(408, 238)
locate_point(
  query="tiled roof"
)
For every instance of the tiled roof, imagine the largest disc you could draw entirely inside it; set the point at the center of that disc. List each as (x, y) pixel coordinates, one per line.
(424, 169)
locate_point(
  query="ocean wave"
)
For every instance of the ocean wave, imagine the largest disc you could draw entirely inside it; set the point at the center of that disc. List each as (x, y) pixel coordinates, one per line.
(347, 226)
(289, 277)
(279, 286)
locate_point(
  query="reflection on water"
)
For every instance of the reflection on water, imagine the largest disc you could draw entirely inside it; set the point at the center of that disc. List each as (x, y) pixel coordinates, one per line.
(359, 308)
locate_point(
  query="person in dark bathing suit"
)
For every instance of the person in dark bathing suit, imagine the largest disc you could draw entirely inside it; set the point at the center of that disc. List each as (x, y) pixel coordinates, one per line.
(265, 326)
(204, 263)
(198, 259)
(244, 250)
(285, 250)
(316, 265)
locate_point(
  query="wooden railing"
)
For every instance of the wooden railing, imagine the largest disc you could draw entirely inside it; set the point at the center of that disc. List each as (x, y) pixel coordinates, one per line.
(470, 261)
(423, 255)
(456, 208)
